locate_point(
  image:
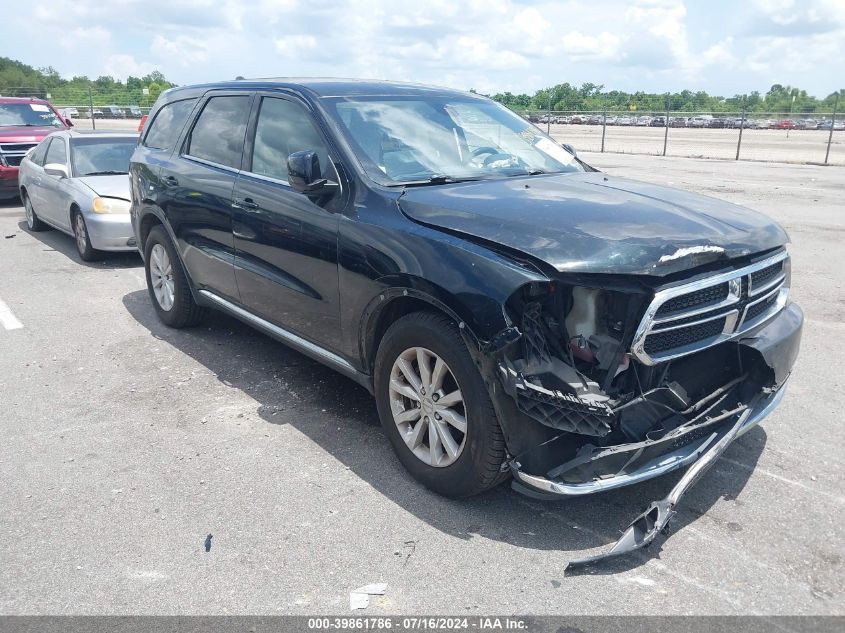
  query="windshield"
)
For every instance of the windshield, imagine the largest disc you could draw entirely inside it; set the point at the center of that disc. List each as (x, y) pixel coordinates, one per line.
(414, 139)
(101, 156)
(34, 114)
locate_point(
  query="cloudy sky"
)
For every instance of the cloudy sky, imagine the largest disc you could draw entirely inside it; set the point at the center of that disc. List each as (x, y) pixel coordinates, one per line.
(722, 46)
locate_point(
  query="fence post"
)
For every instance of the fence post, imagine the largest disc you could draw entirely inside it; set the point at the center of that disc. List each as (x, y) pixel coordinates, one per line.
(603, 128)
(549, 116)
(91, 109)
(666, 129)
(741, 126)
(832, 125)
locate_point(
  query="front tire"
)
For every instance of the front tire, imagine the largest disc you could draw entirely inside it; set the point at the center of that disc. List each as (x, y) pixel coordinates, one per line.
(32, 222)
(435, 408)
(167, 282)
(87, 253)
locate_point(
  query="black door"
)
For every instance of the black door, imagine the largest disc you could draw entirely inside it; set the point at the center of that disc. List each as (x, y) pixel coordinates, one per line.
(286, 243)
(199, 184)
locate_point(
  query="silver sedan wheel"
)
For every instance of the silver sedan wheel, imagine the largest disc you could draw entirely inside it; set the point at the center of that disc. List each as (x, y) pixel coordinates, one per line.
(428, 407)
(30, 214)
(80, 232)
(161, 276)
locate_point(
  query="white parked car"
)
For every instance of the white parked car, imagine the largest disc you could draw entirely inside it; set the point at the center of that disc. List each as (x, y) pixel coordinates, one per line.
(78, 184)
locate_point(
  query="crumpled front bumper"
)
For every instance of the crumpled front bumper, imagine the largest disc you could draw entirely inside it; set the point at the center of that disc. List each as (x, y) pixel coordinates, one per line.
(777, 342)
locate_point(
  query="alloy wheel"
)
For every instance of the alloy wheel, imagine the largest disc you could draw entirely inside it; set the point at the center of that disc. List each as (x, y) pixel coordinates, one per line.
(428, 407)
(30, 214)
(80, 233)
(161, 277)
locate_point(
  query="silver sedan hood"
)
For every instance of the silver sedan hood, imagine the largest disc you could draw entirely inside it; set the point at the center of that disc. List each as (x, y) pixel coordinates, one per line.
(115, 186)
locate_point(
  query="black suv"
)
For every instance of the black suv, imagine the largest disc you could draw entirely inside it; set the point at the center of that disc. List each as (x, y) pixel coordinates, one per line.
(514, 311)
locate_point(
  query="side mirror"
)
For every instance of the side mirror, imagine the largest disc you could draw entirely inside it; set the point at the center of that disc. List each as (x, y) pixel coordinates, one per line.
(68, 122)
(55, 169)
(304, 175)
(569, 148)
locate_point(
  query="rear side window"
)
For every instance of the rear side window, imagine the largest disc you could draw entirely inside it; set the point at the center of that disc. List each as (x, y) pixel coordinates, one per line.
(57, 152)
(218, 135)
(165, 128)
(40, 152)
(283, 128)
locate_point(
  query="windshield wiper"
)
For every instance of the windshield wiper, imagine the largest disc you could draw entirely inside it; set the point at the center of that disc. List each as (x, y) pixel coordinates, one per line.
(436, 179)
(105, 173)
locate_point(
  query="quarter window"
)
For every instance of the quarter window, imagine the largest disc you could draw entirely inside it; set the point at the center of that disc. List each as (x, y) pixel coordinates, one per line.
(168, 123)
(284, 127)
(218, 135)
(57, 152)
(40, 152)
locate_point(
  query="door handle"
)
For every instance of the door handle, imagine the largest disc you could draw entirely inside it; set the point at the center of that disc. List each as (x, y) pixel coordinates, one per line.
(170, 181)
(246, 203)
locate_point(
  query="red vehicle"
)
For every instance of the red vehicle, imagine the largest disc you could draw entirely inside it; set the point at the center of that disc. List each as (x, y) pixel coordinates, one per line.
(784, 124)
(24, 123)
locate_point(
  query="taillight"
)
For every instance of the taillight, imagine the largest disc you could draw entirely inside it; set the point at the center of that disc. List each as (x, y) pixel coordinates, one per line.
(141, 123)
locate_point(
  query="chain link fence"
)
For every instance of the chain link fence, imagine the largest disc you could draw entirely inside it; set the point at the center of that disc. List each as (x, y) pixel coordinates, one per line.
(767, 136)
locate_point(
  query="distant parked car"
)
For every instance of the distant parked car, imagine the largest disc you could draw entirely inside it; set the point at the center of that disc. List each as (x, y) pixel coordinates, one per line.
(624, 120)
(113, 112)
(838, 125)
(806, 124)
(677, 121)
(784, 124)
(643, 121)
(70, 113)
(700, 121)
(134, 112)
(658, 121)
(78, 184)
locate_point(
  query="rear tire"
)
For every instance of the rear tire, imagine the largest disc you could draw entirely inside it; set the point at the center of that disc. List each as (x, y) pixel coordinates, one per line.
(167, 282)
(466, 462)
(32, 222)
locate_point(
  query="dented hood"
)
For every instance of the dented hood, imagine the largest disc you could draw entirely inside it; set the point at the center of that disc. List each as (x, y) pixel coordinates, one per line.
(593, 223)
(110, 186)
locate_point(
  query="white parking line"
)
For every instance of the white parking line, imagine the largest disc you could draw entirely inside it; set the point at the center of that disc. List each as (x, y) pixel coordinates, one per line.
(9, 320)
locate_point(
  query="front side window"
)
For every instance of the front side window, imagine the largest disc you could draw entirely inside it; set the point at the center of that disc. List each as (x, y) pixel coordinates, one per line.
(28, 114)
(284, 127)
(168, 123)
(418, 138)
(101, 156)
(57, 152)
(218, 135)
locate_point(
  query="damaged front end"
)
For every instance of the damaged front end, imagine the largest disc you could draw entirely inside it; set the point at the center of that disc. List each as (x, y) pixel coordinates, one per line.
(616, 381)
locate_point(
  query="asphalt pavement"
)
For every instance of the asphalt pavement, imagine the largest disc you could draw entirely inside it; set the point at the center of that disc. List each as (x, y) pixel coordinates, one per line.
(215, 471)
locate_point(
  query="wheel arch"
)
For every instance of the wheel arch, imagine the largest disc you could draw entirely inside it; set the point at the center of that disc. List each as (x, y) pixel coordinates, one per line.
(404, 295)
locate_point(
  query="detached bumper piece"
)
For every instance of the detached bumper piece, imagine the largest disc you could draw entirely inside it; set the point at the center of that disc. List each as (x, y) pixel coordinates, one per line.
(645, 528)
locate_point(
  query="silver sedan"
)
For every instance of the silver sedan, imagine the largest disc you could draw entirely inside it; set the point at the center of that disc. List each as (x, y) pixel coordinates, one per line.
(78, 184)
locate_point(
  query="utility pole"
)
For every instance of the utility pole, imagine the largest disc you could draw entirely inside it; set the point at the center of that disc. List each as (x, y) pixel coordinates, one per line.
(832, 125)
(549, 115)
(741, 126)
(789, 125)
(666, 126)
(91, 108)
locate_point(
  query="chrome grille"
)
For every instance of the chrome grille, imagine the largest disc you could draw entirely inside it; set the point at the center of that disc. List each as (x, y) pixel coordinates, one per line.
(13, 153)
(686, 318)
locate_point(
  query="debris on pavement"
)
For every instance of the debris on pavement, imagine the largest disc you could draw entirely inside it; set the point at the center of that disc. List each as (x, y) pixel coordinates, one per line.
(208, 542)
(360, 598)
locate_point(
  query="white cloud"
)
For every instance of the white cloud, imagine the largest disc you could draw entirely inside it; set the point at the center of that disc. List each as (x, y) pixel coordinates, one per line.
(182, 49)
(294, 45)
(121, 66)
(581, 47)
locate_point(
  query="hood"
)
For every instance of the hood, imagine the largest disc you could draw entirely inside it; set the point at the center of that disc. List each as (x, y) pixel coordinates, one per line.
(114, 186)
(593, 223)
(25, 134)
